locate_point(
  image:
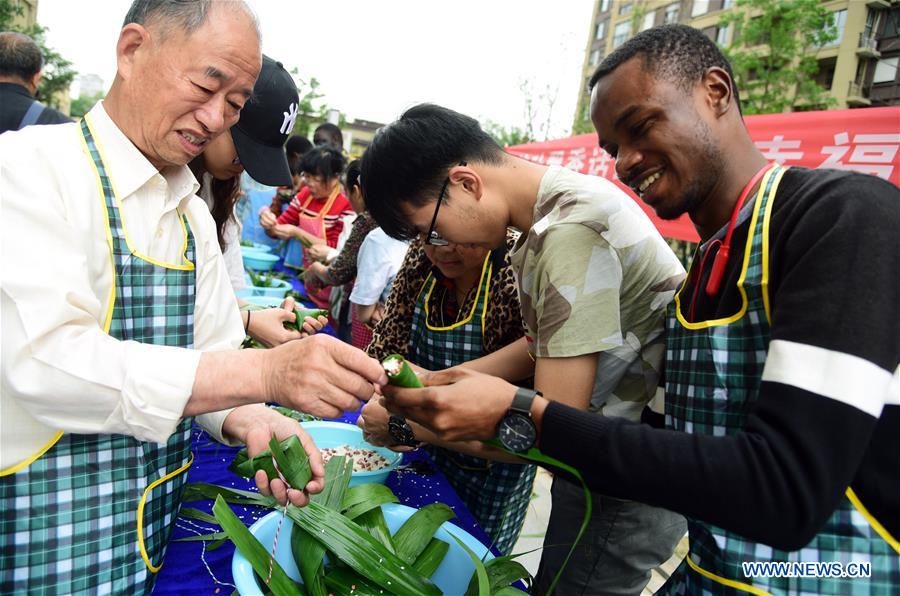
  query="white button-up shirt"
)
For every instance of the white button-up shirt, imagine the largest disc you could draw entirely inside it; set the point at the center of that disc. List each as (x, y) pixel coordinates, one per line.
(60, 370)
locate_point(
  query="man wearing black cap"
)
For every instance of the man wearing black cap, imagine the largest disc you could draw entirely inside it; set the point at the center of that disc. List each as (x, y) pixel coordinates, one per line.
(120, 326)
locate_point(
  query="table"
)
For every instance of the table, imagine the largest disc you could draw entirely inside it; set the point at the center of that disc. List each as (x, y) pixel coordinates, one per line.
(190, 567)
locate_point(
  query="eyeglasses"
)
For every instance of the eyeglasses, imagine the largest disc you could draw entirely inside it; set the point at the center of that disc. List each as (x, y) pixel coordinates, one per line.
(432, 237)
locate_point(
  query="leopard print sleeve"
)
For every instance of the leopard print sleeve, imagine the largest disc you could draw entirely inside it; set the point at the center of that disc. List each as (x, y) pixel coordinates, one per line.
(503, 321)
(391, 334)
(343, 269)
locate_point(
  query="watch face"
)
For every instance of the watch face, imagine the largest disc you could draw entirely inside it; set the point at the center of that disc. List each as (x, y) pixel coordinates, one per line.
(517, 432)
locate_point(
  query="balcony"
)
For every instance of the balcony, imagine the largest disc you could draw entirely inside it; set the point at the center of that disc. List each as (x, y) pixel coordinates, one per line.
(868, 46)
(878, 4)
(856, 96)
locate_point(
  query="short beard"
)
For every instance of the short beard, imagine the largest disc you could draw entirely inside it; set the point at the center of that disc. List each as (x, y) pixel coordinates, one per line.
(700, 186)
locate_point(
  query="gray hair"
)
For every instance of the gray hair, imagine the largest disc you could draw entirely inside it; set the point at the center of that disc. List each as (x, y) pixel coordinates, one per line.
(186, 15)
(20, 57)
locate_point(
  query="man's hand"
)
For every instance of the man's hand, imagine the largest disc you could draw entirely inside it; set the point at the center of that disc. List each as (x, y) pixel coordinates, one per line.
(255, 425)
(320, 375)
(455, 404)
(373, 420)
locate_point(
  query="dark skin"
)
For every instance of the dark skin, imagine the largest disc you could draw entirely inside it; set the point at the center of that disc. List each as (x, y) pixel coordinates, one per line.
(697, 143)
(694, 139)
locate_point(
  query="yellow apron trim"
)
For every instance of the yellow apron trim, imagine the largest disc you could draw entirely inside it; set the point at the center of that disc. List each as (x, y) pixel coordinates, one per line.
(740, 284)
(140, 513)
(24, 464)
(876, 525)
(767, 217)
(185, 265)
(484, 267)
(112, 259)
(725, 582)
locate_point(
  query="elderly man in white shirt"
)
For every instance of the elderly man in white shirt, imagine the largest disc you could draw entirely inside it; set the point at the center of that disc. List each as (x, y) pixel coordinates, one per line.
(119, 323)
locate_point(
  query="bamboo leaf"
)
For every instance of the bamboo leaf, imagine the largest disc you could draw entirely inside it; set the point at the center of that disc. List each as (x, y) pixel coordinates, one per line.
(480, 576)
(365, 497)
(204, 537)
(373, 523)
(198, 491)
(357, 548)
(192, 513)
(501, 571)
(432, 557)
(216, 544)
(508, 591)
(309, 552)
(292, 460)
(415, 533)
(253, 550)
(345, 581)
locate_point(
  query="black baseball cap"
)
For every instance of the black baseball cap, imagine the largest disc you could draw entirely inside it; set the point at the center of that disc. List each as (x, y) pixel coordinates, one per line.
(266, 121)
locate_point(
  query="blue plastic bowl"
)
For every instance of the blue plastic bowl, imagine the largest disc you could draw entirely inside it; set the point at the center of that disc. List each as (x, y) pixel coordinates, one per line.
(334, 434)
(279, 288)
(249, 250)
(452, 577)
(266, 301)
(259, 261)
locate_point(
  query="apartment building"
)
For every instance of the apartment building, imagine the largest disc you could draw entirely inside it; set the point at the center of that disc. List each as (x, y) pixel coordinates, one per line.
(860, 67)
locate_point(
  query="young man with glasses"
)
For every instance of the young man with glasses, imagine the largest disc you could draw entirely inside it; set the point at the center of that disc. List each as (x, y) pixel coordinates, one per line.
(594, 280)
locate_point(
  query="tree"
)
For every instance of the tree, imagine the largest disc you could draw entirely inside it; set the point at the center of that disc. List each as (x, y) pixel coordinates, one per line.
(58, 73)
(506, 136)
(311, 109)
(772, 53)
(83, 104)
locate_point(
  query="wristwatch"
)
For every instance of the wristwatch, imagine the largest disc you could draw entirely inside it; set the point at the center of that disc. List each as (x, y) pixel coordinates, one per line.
(516, 430)
(401, 432)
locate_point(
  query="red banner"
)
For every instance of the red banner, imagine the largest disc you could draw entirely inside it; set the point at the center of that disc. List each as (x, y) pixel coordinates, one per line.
(865, 140)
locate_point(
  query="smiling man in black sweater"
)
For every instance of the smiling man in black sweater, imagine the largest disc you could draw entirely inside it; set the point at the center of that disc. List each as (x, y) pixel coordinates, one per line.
(782, 439)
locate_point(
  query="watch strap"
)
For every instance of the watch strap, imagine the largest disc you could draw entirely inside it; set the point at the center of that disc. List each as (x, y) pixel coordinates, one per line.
(522, 400)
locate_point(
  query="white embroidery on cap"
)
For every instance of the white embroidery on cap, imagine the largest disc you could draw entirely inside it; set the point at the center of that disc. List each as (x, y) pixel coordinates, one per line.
(289, 118)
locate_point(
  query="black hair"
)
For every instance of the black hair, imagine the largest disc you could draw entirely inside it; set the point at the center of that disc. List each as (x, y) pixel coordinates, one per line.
(298, 145)
(351, 176)
(225, 195)
(325, 161)
(678, 53)
(186, 15)
(20, 57)
(408, 161)
(332, 130)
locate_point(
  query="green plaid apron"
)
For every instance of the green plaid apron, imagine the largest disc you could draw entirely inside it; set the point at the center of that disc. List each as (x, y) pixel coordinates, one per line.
(496, 493)
(94, 513)
(713, 375)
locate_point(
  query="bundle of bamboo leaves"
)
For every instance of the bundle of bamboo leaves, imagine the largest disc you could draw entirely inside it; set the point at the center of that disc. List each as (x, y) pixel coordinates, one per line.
(346, 525)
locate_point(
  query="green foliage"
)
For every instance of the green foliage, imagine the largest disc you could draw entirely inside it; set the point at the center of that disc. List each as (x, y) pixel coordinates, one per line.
(312, 109)
(772, 53)
(506, 136)
(58, 72)
(83, 104)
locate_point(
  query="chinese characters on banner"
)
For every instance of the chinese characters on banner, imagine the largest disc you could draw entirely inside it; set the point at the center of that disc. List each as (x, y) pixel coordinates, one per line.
(865, 140)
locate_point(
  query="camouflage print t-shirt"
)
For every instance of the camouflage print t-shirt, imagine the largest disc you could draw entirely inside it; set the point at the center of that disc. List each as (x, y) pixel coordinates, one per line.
(595, 276)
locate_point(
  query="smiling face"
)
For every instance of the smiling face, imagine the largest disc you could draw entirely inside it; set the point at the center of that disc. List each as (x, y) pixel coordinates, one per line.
(184, 90)
(661, 136)
(455, 260)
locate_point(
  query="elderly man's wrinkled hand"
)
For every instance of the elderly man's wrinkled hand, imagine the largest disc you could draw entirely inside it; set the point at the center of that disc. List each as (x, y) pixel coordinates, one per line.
(320, 375)
(260, 427)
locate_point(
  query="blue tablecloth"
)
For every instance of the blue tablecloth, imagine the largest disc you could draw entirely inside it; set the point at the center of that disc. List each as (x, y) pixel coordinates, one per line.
(189, 568)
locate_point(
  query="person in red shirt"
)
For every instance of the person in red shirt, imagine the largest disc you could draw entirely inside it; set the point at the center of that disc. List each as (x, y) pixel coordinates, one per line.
(316, 215)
